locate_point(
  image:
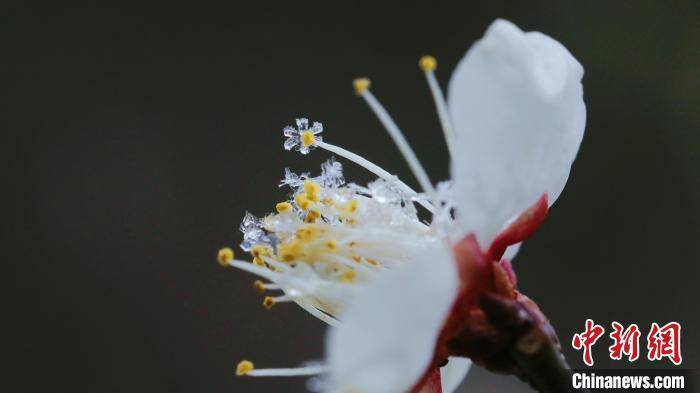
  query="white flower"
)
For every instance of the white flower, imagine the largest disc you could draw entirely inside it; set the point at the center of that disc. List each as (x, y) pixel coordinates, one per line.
(361, 260)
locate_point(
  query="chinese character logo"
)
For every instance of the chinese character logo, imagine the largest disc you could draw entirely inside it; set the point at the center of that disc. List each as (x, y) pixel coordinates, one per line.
(586, 339)
(662, 342)
(625, 342)
(665, 342)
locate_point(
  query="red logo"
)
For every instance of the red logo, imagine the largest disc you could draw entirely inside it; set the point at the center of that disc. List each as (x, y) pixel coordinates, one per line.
(665, 342)
(662, 342)
(586, 339)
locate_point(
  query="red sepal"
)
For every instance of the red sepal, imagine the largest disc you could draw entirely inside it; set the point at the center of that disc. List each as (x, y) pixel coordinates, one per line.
(522, 228)
(430, 383)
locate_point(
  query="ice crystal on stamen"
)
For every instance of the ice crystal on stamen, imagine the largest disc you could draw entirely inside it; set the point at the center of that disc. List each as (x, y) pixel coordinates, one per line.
(332, 173)
(385, 191)
(443, 216)
(253, 233)
(293, 180)
(302, 138)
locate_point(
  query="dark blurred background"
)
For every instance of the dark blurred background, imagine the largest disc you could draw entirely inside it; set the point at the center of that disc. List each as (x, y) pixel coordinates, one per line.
(136, 138)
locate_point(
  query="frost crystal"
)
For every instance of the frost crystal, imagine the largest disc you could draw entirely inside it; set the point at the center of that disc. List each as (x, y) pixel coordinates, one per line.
(293, 180)
(295, 138)
(253, 233)
(332, 173)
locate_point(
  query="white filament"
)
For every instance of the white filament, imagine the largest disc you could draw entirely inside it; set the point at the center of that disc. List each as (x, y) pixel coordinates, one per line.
(442, 111)
(288, 372)
(376, 169)
(400, 141)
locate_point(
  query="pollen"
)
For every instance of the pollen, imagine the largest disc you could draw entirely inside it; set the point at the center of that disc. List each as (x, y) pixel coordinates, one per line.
(308, 232)
(332, 244)
(283, 207)
(348, 276)
(351, 207)
(244, 367)
(312, 190)
(307, 138)
(372, 261)
(427, 63)
(258, 262)
(269, 302)
(259, 286)
(302, 201)
(260, 250)
(312, 216)
(361, 85)
(225, 256)
(290, 251)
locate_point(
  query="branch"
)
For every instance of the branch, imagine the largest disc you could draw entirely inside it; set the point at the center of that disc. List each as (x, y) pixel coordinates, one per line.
(535, 348)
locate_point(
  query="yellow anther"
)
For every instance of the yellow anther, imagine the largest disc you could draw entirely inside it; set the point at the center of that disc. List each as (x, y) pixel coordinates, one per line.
(307, 138)
(357, 258)
(427, 63)
(312, 190)
(331, 244)
(348, 276)
(244, 367)
(259, 286)
(258, 262)
(312, 216)
(269, 302)
(361, 85)
(283, 207)
(260, 250)
(372, 261)
(225, 256)
(351, 207)
(288, 252)
(302, 201)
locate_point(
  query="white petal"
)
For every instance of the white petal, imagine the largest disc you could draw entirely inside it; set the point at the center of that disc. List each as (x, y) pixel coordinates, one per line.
(387, 337)
(516, 101)
(452, 375)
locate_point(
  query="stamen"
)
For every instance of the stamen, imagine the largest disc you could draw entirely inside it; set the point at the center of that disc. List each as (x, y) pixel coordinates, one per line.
(399, 139)
(377, 170)
(246, 368)
(261, 287)
(428, 64)
(270, 301)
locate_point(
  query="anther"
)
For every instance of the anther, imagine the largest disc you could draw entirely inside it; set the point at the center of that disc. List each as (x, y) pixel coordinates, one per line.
(225, 256)
(361, 85)
(312, 216)
(269, 302)
(302, 201)
(348, 276)
(283, 207)
(312, 190)
(307, 138)
(244, 367)
(259, 286)
(352, 206)
(331, 244)
(427, 63)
